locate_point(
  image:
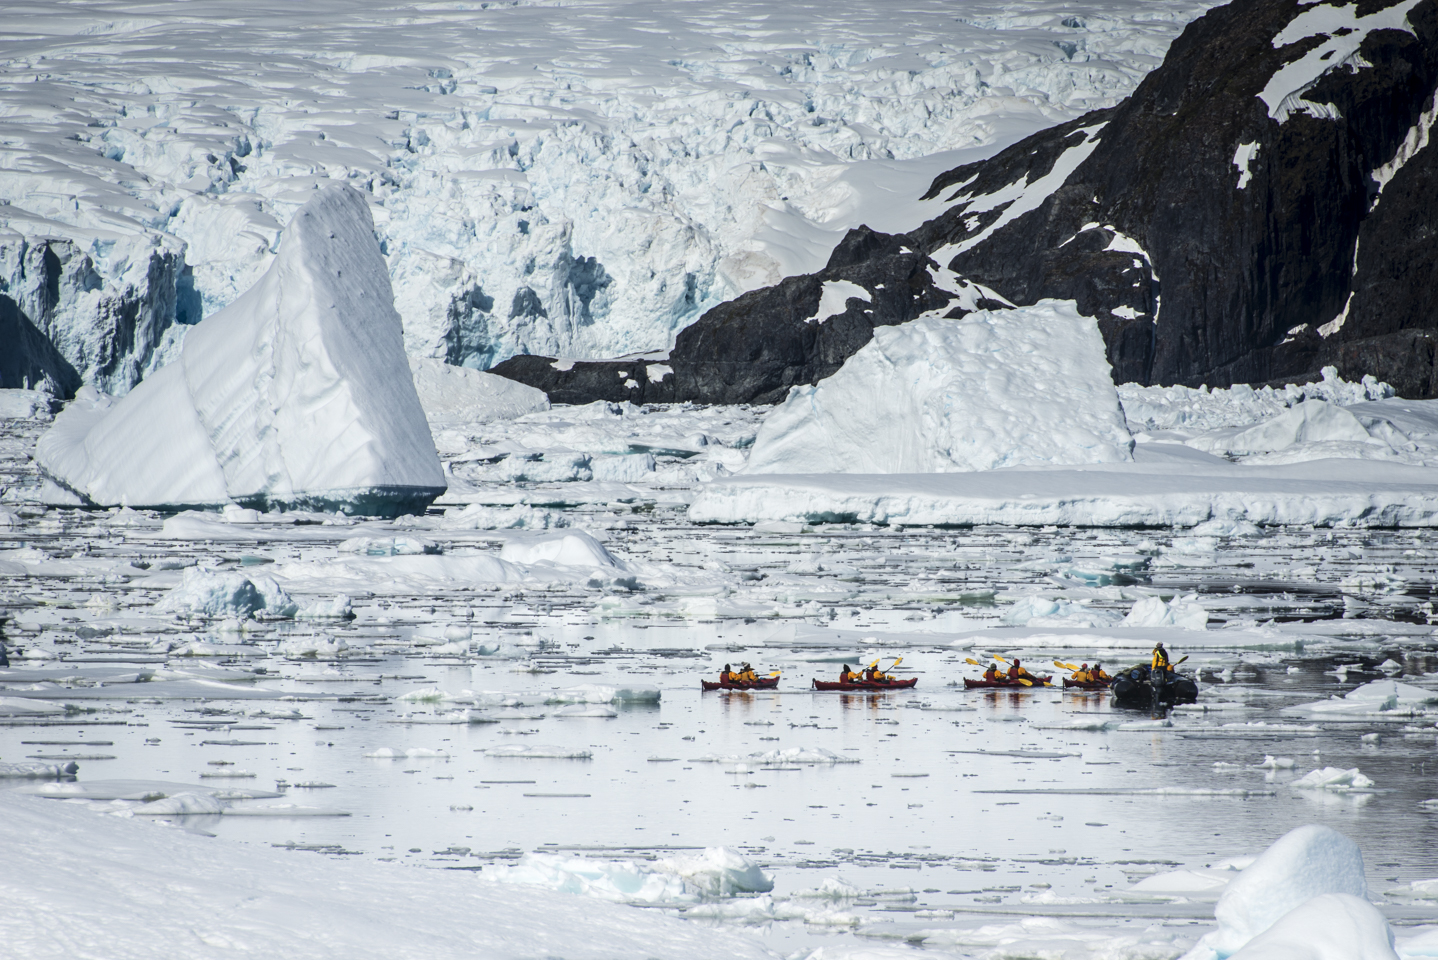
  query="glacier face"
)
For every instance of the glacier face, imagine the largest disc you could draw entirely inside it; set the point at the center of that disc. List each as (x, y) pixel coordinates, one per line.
(574, 179)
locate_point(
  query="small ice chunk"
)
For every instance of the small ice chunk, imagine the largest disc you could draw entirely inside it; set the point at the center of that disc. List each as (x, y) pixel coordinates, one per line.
(1331, 926)
(1334, 778)
(181, 804)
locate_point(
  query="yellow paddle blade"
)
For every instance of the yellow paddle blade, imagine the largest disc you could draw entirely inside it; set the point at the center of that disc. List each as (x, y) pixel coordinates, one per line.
(901, 660)
(1027, 683)
(973, 661)
(1181, 659)
(874, 664)
(1000, 659)
(775, 673)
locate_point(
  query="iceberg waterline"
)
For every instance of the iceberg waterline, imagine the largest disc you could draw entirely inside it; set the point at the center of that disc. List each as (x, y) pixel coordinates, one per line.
(298, 395)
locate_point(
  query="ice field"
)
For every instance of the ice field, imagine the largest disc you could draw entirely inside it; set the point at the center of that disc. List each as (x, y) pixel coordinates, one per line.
(515, 701)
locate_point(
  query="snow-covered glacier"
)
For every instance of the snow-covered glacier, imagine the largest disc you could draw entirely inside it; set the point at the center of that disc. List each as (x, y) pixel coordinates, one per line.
(572, 179)
(298, 394)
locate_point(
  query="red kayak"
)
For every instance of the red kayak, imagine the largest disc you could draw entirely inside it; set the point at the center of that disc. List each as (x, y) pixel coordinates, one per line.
(863, 685)
(1035, 681)
(763, 683)
(1085, 684)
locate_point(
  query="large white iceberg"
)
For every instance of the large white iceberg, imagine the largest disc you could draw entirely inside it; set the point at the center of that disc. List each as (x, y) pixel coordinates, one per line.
(298, 394)
(1304, 863)
(994, 389)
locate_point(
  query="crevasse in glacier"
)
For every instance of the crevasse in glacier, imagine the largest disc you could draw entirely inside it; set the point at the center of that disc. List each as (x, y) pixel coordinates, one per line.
(298, 394)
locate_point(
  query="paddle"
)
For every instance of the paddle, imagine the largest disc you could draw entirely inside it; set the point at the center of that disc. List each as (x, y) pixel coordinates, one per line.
(775, 673)
(1065, 666)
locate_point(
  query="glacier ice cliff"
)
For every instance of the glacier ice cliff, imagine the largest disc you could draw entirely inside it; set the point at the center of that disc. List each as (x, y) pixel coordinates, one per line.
(299, 394)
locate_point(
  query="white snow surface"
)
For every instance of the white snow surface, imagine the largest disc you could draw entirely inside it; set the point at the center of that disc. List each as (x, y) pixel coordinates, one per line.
(572, 179)
(300, 389)
(834, 299)
(993, 389)
(1343, 32)
(80, 884)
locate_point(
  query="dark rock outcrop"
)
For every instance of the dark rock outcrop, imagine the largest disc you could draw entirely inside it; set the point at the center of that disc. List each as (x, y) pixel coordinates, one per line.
(1227, 223)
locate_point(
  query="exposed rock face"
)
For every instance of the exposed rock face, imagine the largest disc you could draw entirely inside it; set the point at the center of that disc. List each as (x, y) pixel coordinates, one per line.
(77, 326)
(1265, 203)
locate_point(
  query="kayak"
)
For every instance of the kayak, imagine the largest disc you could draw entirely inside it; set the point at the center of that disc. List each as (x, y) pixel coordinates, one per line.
(1085, 684)
(865, 685)
(763, 683)
(978, 684)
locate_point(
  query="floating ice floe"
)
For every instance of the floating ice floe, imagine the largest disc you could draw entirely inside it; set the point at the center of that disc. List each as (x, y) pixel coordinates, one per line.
(181, 805)
(412, 753)
(526, 751)
(606, 693)
(994, 389)
(1043, 612)
(36, 771)
(1183, 612)
(1336, 779)
(1305, 863)
(716, 873)
(1375, 697)
(296, 394)
(216, 593)
(591, 710)
(572, 548)
(784, 757)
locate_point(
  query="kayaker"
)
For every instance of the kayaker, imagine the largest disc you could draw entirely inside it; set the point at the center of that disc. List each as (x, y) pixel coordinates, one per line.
(726, 675)
(992, 673)
(1016, 671)
(746, 674)
(847, 675)
(1082, 674)
(1097, 673)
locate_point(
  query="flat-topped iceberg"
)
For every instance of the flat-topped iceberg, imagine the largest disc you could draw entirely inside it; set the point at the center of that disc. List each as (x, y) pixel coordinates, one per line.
(297, 395)
(1000, 388)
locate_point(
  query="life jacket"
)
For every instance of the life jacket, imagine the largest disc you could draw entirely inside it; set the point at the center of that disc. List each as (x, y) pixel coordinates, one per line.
(1160, 660)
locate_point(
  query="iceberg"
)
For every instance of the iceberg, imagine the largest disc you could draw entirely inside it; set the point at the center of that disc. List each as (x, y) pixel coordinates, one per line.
(994, 389)
(1306, 863)
(297, 395)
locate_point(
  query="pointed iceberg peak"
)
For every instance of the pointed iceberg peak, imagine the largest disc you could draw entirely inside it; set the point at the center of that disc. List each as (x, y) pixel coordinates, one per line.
(296, 395)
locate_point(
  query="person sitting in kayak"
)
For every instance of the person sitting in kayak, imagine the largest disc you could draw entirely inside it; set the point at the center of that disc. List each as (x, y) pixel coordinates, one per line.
(1097, 673)
(1082, 674)
(847, 675)
(1016, 671)
(746, 674)
(992, 673)
(726, 675)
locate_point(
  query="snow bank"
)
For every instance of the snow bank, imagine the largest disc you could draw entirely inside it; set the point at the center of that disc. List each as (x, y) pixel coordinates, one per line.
(297, 394)
(79, 884)
(17, 404)
(994, 389)
(1184, 612)
(1305, 863)
(1315, 426)
(1332, 926)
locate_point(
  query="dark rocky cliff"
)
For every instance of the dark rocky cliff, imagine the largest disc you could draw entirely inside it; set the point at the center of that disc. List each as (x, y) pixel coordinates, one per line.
(1264, 204)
